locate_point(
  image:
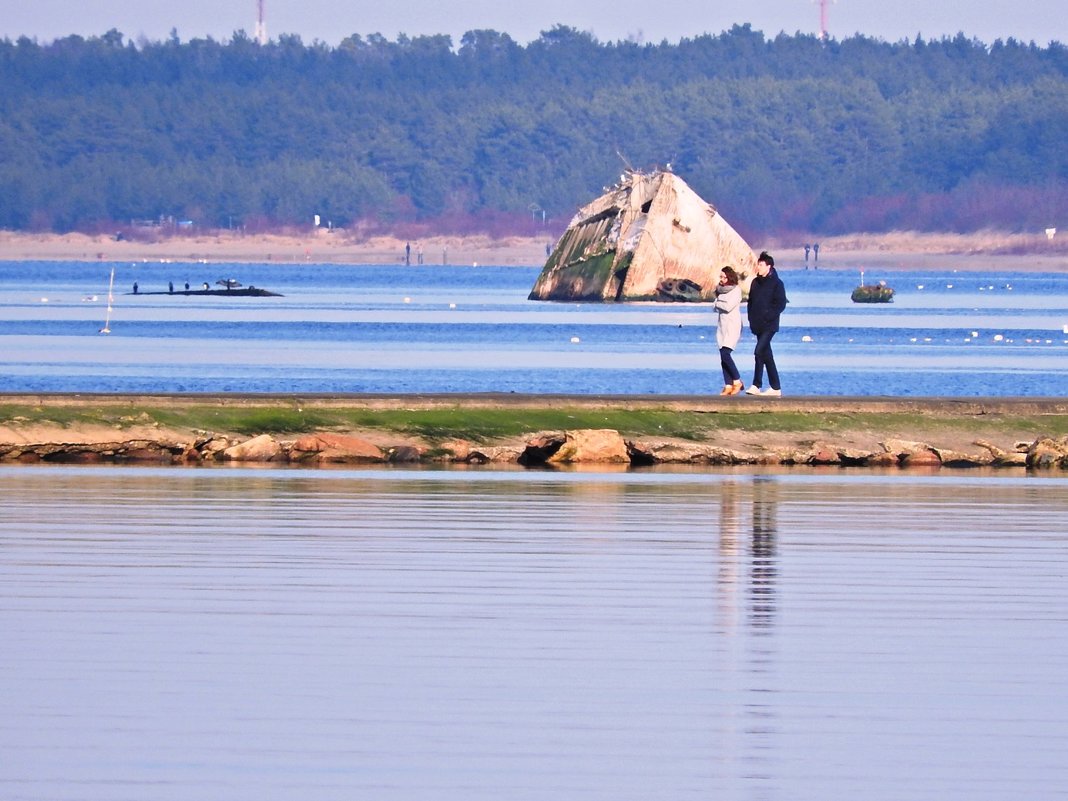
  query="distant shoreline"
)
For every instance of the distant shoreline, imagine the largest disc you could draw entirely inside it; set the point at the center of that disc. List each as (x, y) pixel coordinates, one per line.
(984, 251)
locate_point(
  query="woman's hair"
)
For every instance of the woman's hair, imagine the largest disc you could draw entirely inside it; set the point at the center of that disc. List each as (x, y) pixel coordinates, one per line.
(732, 276)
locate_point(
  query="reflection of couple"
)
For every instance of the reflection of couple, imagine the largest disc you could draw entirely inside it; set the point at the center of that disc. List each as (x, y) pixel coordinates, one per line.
(760, 582)
(764, 573)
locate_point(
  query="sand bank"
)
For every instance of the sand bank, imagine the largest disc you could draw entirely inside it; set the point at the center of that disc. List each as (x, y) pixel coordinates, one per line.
(982, 251)
(321, 246)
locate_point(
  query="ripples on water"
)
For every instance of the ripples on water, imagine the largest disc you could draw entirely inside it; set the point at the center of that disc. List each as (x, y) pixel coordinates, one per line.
(362, 328)
(279, 634)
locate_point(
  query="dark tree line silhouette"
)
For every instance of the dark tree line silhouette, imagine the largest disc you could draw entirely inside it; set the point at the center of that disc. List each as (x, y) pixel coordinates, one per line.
(789, 133)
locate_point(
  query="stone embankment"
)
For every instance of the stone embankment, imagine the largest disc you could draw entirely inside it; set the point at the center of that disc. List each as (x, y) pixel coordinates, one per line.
(545, 449)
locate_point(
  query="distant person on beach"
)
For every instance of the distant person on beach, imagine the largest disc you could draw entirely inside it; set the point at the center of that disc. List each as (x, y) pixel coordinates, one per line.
(729, 328)
(407, 253)
(767, 301)
(135, 287)
(170, 287)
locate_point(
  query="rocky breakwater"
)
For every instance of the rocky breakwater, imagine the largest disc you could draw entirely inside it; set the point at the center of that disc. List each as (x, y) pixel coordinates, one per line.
(598, 447)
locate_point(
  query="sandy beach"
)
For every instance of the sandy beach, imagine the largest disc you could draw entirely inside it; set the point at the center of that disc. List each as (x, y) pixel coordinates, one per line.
(894, 251)
(319, 246)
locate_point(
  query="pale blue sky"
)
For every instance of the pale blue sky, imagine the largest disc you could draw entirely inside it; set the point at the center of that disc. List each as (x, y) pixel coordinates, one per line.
(609, 20)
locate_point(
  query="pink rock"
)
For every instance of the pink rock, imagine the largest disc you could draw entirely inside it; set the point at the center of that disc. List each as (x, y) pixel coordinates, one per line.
(335, 448)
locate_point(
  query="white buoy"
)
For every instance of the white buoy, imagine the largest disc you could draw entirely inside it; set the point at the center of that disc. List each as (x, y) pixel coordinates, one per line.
(975, 334)
(407, 300)
(452, 305)
(998, 337)
(806, 338)
(575, 340)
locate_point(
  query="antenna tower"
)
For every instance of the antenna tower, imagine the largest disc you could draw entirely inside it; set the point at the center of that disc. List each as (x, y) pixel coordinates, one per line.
(261, 26)
(823, 18)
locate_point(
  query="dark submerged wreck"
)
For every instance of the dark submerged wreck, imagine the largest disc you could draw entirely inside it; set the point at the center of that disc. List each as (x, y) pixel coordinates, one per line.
(649, 237)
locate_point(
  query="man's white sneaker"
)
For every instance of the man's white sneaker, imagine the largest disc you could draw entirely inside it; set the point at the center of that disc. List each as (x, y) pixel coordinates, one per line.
(772, 393)
(752, 389)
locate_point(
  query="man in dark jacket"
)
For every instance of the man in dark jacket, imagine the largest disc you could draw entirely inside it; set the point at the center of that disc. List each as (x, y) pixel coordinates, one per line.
(767, 300)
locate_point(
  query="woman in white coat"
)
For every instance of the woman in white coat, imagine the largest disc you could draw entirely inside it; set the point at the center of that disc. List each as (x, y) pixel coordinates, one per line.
(729, 328)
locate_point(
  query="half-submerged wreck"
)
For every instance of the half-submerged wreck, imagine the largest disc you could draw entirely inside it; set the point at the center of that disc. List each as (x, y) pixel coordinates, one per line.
(649, 237)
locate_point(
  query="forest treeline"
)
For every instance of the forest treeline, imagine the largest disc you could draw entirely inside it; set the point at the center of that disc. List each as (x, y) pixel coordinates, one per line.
(783, 134)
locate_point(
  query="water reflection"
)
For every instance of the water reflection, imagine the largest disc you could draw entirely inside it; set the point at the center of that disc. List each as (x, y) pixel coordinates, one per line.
(762, 580)
(175, 634)
(745, 751)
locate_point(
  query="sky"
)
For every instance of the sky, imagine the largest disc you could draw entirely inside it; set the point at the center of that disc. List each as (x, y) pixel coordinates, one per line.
(330, 21)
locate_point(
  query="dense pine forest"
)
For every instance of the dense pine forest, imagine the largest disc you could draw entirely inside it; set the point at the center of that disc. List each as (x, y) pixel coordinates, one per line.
(784, 134)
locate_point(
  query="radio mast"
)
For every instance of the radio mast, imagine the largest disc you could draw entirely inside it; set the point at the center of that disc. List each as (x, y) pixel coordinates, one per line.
(261, 26)
(823, 18)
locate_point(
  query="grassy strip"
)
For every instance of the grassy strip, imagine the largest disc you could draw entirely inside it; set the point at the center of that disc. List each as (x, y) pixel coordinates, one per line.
(482, 424)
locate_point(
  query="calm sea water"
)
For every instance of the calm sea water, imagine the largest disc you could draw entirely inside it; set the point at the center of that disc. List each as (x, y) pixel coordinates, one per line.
(280, 634)
(344, 328)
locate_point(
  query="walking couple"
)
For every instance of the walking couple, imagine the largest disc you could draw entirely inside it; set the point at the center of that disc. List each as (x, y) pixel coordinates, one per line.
(767, 300)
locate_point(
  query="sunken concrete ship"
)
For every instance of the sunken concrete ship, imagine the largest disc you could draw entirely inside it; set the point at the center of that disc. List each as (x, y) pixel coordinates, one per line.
(649, 237)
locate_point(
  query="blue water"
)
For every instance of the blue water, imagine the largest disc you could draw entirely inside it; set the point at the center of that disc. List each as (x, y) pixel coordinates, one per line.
(384, 328)
(344, 635)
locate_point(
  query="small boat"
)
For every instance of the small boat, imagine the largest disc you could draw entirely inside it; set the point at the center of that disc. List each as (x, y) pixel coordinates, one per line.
(872, 293)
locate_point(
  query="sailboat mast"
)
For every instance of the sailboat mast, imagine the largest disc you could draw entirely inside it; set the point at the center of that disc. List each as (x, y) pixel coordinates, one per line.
(111, 296)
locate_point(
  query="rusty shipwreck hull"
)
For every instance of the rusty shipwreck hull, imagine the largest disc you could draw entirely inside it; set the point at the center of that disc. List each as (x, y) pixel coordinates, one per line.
(647, 233)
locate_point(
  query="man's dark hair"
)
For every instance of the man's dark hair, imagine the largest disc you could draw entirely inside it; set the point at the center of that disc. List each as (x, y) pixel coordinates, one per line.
(766, 258)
